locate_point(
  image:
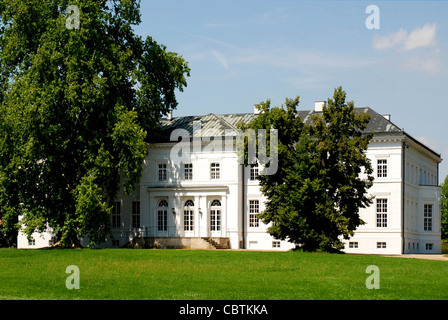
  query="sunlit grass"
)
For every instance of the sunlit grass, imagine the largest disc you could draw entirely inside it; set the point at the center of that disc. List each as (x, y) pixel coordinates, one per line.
(196, 274)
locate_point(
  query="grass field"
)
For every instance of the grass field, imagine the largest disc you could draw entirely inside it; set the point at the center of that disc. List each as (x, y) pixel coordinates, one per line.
(183, 274)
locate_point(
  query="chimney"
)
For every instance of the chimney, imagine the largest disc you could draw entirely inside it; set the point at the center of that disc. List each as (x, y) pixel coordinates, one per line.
(386, 116)
(256, 110)
(319, 105)
(169, 115)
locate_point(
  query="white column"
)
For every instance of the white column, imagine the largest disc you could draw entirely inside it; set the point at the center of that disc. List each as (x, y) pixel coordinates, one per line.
(224, 216)
(197, 217)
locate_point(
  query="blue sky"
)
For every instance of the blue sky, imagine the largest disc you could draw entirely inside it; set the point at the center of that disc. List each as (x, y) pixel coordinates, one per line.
(244, 52)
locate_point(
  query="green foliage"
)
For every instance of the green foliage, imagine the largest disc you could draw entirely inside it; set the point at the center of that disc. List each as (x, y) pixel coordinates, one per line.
(444, 208)
(315, 196)
(78, 108)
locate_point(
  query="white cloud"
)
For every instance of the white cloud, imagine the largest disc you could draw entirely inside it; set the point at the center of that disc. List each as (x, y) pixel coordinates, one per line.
(221, 59)
(419, 37)
(429, 62)
(393, 39)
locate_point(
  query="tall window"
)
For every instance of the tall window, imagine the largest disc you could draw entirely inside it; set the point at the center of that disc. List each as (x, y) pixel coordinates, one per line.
(427, 217)
(254, 210)
(188, 171)
(116, 215)
(136, 214)
(188, 215)
(215, 216)
(162, 172)
(214, 170)
(382, 168)
(253, 172)
(162, 216)
(381, 213)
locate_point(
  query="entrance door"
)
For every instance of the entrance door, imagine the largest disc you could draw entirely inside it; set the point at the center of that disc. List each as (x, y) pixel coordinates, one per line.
(215, 218)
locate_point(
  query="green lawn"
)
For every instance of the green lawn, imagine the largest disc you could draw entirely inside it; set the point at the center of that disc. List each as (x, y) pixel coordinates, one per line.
(184, 274)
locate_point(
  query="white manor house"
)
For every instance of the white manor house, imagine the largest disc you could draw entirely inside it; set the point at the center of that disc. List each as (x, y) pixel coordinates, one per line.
(211, 201)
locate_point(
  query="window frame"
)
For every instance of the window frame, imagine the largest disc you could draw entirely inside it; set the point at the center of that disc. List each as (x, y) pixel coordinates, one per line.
(428, 217)
(254, 172)
(215, 216)
(254, 211)
(135, 216)
(382, 214)
(162, 172)
(382, 168)
(381, 245)
(188, 171)
(215, 171)
(162, 216)
(116, 215)
(188, 215)
(353, 245)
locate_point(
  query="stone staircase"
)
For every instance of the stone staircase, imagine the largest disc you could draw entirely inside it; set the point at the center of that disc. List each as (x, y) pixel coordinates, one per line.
(218, 243)
(210, 243)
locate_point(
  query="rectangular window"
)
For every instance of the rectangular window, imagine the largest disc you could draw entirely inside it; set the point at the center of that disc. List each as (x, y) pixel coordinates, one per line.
(253, 172)
(136, 214)
(381, 213)
(429, 246)
(214, 170)
(381, 245)
(254, 210)
(116, 215)
(162, 220)
(115, 243)
(275, 244)
(353, 245)
(381, 168)
(188, 171)
(162, 172)
(32, 242)
(188, 220)
(427, 217)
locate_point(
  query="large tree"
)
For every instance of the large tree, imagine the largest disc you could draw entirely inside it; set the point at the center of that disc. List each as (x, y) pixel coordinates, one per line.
(323, 175)
(78, 105)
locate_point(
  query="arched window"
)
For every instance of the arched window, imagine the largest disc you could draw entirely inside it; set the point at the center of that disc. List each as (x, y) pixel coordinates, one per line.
(215, 215)
(163, 203)
(162, 215)
(188, 215)
(189, 203)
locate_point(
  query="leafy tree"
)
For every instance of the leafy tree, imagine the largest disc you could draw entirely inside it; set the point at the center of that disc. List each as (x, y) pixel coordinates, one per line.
(78, 107)
(323, 175)
(444, 208)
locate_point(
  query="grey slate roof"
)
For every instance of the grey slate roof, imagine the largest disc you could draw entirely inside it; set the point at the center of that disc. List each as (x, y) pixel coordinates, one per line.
(216, 125)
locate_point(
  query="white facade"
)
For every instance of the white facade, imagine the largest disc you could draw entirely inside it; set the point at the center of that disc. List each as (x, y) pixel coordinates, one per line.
(212, 196)
(395, 223)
